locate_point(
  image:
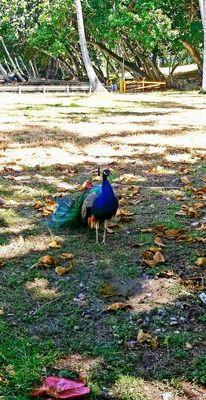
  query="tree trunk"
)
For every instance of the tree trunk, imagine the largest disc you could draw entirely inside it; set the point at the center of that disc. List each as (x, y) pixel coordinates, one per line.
(194, 54)
(4, 73)
(16, 71)
(129, 66)
(202, 4)
(32, 69)
(93, 79)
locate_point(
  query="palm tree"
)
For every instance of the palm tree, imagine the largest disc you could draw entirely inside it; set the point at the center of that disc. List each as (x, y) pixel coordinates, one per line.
(202, 4)
(93, 79)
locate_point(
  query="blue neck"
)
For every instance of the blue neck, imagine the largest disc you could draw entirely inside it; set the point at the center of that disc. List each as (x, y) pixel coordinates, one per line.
(106, 187)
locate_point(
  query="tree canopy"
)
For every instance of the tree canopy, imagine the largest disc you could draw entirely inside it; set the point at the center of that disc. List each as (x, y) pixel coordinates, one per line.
(143, 33)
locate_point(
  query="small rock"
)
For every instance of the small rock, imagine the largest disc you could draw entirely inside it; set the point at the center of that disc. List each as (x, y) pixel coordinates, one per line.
(158, 330)
(82, 296)
(160, 311)
(167, 396)
(76, 327)
(131, 344)
(188, 345)
(173, 321)
(195, 224)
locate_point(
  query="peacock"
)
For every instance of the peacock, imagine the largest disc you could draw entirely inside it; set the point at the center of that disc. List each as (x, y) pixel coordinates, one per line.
(97, 204)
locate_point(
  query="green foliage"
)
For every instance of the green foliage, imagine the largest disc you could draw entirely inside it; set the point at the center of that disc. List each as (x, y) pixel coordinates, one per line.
(40, 29)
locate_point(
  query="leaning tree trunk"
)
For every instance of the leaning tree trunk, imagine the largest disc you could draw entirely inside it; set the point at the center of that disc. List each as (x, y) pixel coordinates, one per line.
(93, 79)
(202, 4)
(16, 71)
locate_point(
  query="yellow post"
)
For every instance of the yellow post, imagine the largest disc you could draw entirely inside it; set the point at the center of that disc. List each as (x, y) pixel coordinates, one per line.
(124, 86)
(121, 86)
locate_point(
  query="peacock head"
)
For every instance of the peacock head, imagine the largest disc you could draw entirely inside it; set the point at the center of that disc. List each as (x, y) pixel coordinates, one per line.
(106, 173)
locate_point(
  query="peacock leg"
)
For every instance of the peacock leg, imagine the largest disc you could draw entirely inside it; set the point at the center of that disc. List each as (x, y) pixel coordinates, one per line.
(97, 231)
(105, 232)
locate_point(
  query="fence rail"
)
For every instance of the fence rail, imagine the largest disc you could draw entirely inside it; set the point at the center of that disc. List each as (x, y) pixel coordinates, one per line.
(45, 88)
(135, 86)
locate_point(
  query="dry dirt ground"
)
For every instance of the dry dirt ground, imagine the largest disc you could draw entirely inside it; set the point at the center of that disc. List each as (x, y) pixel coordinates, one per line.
(153, 347)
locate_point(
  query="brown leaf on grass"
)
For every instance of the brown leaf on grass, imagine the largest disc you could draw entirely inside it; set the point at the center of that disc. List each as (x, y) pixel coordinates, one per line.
(154, 342)
(158, 257)
(184, 170)
(153, 257)
(38, 205)
(63, 270)
(199, 205)
(122, 201)
(118, 306)
(200, 239)
(108, 290)
(1, 311)
(133, 191)
(186, 180)
(158, 241)
(54, 244)
(201, 262)
(192, 212)
(166, 274)
(50, 201)
(201, 228)
(49, 209)
(1, 263)
(124, 215)
(9, 169)
(67, 256)
(200, 191)
(143, 337)
(46, 261)
(128, 178)
(179, 197)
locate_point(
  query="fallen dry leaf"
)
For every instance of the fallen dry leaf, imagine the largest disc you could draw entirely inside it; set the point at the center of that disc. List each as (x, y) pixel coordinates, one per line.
(153, 257)
(118, 306)
(124, 215)
(158, 241)
(201, 262)
(166, 274)
(122, 201)
(158, 257)
(47, 261)
(143, 337)
(108, 290)
(63, 270)
(201, 228)
(38, 205)
(54, 244)
(67, 256)
(185, 180)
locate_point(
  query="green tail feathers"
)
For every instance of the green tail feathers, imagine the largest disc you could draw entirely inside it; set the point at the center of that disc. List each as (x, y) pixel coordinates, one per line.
(68, 212)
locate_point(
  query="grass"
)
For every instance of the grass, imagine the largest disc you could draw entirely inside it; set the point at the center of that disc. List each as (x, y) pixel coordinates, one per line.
(45, 317)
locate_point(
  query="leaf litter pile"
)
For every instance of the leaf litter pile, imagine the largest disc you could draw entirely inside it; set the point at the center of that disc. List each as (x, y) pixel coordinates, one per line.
(112, 320)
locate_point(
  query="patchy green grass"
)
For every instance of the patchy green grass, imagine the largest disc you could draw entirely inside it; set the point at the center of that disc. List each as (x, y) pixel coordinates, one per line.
(44, 316)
